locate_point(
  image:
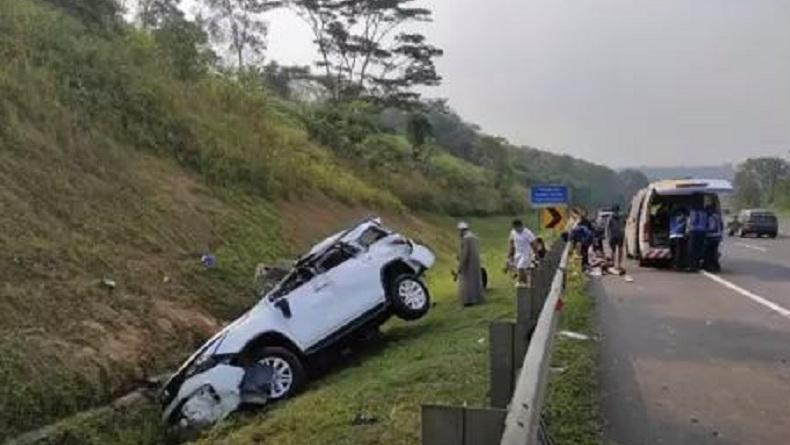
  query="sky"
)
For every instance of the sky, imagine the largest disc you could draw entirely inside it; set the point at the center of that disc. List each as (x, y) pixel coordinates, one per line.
(618, 82)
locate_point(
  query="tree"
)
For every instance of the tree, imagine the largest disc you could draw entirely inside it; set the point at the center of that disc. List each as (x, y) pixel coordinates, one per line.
(631, 181)
(280, 78)
(154, 14)
(239, 24)
(758, 180)
(418, 130)
(100, 15)
(365, 49)
(186, 47)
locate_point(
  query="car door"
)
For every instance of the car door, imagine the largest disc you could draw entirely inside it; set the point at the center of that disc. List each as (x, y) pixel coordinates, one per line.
(357, 282)
(313, 313)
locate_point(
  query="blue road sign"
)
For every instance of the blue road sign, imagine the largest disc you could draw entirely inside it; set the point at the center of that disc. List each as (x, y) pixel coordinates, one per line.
(549, 196)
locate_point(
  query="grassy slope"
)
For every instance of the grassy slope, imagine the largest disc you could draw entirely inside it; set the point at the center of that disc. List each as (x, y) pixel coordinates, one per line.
(572, 412)
(441, 359)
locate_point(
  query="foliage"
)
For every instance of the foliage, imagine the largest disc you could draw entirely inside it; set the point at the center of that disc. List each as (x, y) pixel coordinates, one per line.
(99, 15)
(418, 131)
(366, 49)
(155, 13)
(632, 181)
(239, 25)
(762, 182)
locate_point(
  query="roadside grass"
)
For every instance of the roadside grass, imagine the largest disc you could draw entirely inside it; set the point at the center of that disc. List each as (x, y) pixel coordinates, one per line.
(572, 412)
(440, 359)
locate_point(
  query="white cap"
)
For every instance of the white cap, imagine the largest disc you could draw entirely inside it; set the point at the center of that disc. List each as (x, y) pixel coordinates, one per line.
(463, 226)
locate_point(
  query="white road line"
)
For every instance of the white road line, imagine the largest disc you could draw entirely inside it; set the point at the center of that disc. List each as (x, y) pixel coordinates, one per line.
(752, 296)
(749, 246)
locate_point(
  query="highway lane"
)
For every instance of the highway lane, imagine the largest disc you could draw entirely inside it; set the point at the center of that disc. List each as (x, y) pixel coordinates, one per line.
(690, 359)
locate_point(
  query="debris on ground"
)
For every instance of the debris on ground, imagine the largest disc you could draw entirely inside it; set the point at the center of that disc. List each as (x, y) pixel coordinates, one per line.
(573, 335)
(208, 260)
(109, 283)
(364, 419)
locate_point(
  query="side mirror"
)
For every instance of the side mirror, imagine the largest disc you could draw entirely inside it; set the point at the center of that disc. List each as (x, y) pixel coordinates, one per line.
(284, 306)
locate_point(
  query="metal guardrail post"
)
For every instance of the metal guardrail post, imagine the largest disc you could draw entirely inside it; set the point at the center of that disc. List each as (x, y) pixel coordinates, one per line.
(502, 363)
(523, 418)
(456, 425)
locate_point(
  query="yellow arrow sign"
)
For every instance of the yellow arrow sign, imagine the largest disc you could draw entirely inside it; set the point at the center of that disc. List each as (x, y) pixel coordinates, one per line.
(554, 218)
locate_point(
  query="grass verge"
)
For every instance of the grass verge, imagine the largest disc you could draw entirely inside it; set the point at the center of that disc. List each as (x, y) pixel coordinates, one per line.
(572, 406)
(440, 359)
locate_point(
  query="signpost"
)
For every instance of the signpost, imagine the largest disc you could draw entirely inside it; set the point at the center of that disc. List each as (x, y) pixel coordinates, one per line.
(552, 200)
(554, 218)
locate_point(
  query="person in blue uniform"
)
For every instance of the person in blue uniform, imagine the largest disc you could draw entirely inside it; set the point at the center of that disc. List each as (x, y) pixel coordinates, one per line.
(697, 227)
(713, 239)
(677, 237)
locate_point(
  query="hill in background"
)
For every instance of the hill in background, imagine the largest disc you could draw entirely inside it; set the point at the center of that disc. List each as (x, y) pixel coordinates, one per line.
(125, 155)
(724, 171)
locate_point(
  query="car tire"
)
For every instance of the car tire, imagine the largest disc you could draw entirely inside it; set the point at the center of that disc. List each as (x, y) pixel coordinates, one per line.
(773, 235)
(288, 369)
(741, 233)
(409, 297)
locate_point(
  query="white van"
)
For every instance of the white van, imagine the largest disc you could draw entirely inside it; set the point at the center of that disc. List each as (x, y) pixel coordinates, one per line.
(647, 226)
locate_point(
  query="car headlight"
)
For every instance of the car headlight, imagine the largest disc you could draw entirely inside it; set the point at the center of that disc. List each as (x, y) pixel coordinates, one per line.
(205, 362)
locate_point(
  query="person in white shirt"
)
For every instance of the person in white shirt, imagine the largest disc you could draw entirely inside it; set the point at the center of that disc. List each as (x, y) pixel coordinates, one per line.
(520, 252)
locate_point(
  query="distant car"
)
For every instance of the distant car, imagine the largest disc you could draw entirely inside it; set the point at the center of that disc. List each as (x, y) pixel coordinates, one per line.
(348, 284)
(756, 222)
(647, 226)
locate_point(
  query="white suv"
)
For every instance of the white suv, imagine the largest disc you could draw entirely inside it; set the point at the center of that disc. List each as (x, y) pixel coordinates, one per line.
(352, 281)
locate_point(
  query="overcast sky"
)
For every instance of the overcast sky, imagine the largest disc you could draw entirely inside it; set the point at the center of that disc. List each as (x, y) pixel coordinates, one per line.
(620, 82)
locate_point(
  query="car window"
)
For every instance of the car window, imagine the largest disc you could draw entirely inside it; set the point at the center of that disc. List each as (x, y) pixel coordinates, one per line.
(370, 236)
(337, 255)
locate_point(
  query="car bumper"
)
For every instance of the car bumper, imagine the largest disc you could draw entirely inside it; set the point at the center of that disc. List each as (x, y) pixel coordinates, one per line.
(206, 398)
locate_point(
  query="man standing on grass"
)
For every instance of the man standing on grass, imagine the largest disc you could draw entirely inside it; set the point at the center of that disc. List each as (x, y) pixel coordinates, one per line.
(520, 252)
(470, 279)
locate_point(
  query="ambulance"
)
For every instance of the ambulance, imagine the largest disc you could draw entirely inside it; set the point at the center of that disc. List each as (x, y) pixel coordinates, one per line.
(647, 225)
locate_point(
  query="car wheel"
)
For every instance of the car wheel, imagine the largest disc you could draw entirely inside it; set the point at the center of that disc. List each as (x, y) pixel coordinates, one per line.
(741, 233)
(772, 235)
(288, 375)
(409, 297)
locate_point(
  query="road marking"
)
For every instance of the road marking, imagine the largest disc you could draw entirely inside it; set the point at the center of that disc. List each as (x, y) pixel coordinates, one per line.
(749, 246)
(751, 295)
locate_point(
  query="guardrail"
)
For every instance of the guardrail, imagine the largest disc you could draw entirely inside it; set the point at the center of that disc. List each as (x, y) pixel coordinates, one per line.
(520, 353)
(523, 419)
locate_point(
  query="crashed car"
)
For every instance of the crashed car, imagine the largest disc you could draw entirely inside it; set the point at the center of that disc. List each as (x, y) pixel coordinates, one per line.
(352, 281)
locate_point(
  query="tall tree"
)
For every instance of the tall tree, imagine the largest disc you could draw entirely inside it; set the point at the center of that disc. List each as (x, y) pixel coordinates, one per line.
(758, 180)
(239, 25)
(155, 13)
(365, 47)
(418, 130)
(631, 181)
(100, 15)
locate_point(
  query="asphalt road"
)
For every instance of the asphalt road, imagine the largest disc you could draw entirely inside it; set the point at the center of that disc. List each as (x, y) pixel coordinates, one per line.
(698, 359)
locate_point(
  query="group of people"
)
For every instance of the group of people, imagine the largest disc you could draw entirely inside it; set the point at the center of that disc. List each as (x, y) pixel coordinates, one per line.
(694, 236)
(589, 238)
(524, 250)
